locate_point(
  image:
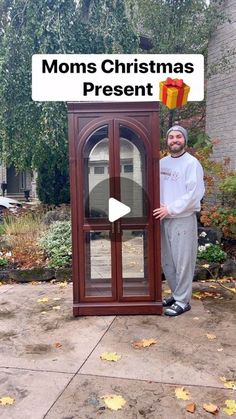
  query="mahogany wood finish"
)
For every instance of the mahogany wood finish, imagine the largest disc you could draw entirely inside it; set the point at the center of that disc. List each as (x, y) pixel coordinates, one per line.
(143, 120)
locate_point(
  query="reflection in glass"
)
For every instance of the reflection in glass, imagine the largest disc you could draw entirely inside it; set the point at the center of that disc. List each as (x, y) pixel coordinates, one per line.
(133, 172)
(134, 263)
(98, 264)
(96, 172)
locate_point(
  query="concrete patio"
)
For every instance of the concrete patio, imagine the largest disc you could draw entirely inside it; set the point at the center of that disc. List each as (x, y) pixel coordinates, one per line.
(50, 362)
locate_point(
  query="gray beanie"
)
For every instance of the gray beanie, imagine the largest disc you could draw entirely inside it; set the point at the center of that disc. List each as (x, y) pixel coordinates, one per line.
(181, 129)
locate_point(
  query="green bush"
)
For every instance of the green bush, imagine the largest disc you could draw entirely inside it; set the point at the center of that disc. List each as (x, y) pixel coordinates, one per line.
(211, 253)
(3, 261)
(56, 242)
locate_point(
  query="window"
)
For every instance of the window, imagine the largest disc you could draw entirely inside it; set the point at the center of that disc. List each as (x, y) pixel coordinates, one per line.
(99, 170)
(22, 180)
(128, 168)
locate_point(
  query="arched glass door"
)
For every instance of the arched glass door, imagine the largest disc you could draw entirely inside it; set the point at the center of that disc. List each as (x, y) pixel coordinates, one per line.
(117, 256)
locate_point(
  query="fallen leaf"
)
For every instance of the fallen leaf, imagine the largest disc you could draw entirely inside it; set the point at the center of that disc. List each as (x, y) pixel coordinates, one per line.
(43, 312)
(210, 336)
(6, 400)
(57, 298)
(191, 407)
(167, 292)
(182, 394)
(228, 383)
(212, 286)
(57, 345)
(196, 318)
(110, 356)
(197, 294)
(143, 343)
(62, 284)
(56, 308)
(206, 265)
(42, 300)
(220, 349)
(114, 402)
(231, 407)
(233, 289)
(211, 408)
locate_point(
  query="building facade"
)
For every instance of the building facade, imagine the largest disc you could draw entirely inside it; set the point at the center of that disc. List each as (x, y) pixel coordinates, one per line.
(17, 182)
(221, 89)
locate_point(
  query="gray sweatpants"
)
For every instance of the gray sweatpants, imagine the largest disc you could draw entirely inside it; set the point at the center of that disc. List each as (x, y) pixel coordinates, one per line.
(179, 243)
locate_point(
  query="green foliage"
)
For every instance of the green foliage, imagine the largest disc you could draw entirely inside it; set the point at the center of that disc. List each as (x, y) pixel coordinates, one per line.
(56, 242)
(178, 26)
(211, 253)
(30, 131)
(229, 184)
(3, 261)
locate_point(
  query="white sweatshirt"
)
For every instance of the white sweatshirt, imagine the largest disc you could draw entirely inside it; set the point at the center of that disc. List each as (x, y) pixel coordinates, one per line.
(182, 185)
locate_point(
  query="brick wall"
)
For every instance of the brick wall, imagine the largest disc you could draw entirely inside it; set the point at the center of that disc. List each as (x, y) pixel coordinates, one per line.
(221, 91)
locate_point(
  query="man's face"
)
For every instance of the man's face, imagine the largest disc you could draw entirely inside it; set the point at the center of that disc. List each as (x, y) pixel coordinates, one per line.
(175, 142)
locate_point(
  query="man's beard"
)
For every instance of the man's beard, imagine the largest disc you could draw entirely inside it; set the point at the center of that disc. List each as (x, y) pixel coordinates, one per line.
(176, 148)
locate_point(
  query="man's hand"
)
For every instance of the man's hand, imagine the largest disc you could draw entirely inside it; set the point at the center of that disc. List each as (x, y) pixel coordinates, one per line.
(161, 212)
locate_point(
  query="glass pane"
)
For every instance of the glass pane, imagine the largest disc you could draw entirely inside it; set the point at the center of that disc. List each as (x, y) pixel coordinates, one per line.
(134, 263)
(96, 172)
(133, 172)
(98, 264)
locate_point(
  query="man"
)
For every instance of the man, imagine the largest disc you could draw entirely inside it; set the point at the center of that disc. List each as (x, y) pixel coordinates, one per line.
(182, 188)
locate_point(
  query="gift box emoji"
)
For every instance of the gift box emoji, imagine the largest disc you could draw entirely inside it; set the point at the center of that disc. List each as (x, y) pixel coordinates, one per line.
(174, 93)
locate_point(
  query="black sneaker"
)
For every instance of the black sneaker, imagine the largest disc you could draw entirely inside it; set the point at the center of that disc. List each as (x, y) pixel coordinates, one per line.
(168, 301)
(176, 309)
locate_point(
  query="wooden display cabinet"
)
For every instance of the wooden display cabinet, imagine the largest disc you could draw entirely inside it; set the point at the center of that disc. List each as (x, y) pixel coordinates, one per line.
(114, 152)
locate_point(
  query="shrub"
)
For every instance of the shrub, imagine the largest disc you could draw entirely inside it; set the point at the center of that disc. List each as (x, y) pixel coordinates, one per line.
(21, 234)
(56, 242)
(59, 214)
(3, 261)
(211, 253)
(53, 179)
(222, 217)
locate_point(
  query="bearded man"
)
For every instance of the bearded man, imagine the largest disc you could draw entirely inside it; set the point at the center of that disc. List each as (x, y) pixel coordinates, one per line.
(181, 190)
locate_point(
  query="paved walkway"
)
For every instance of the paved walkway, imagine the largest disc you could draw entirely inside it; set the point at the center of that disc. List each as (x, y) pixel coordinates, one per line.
(50, 362)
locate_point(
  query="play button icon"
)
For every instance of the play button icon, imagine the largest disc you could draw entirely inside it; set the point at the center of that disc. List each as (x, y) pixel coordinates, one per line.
(117, 210)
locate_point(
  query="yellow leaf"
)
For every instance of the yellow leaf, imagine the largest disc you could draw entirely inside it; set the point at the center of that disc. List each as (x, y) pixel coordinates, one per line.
(167, 292)
(42, 300)
(56, 308)
(113, 401)
(143, 343)
(197, 294)
(231, 407)
(62, 284)
(182, 394)
(191, 407)
(7, 400)
(211, 408)
(110, 356)
(210, 336)
(228, 383)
